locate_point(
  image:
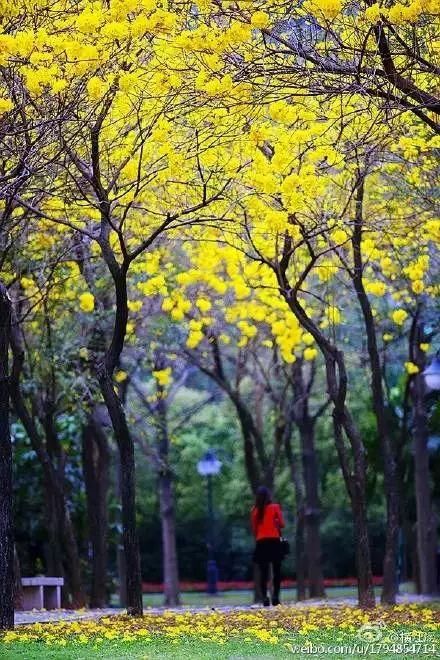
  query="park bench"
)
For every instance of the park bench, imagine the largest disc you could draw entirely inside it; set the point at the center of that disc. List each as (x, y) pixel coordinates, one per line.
(41, 593)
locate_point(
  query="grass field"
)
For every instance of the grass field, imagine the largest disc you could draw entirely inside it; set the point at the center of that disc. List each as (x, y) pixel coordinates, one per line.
(245, 597)
(411, 631)
(325, 645)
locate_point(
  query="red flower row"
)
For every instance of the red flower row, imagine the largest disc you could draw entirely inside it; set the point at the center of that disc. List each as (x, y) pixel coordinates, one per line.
(155, 587)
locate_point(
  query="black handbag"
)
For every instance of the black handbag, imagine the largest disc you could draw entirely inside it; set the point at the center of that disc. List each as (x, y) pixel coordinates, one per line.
(285, 546)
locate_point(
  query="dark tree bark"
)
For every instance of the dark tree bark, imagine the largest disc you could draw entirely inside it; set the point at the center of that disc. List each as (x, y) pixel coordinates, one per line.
(73, 564)
(426, 528)
(168, 520)
(167, 507)
(300, 545)
(53, 545)
(6, 522)
(128, 495)
(96, 464)
(18, 589)
(312, 505)
(355, 483)
(104, 367)
(353, 466)
(388, 454)
(120, 555)
(312, 513)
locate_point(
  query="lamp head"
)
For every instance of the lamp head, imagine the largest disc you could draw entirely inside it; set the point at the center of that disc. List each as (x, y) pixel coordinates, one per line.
(209, 464)
(432, 374)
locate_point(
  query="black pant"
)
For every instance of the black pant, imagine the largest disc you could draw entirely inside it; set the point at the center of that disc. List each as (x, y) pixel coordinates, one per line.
(268, 552)
(264, 576)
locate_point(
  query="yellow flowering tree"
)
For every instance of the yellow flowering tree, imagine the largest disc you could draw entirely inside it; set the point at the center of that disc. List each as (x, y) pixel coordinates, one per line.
(127, 154)
(387, 53)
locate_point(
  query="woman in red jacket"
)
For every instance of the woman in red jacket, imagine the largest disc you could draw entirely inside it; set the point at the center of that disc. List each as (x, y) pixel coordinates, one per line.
(267, 522)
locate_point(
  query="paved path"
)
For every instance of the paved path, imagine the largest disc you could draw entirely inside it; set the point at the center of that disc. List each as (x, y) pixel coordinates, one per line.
(42, 616)
(45, 616)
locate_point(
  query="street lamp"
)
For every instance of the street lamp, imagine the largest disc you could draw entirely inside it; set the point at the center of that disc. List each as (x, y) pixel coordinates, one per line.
(432, 374)
(207, 467)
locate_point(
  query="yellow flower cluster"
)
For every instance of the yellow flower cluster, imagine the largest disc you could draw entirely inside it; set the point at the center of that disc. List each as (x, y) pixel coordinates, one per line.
(87, 302)
(268, 626)
(327, 8)
(163, 377)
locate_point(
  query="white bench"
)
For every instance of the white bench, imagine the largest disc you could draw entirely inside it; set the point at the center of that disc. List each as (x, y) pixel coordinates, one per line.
(41, 593)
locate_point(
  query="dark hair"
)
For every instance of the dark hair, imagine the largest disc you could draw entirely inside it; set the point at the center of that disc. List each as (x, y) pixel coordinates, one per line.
(262, 498)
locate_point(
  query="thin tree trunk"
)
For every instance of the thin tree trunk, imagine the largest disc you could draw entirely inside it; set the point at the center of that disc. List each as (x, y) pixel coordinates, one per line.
(312, 505)
(336, 375)
(71, 552)
(355, 482)
(426, 531)
(169, 549)
(6, 522)
(128, 495)
(388, 453)
(298, 485)
(104, 368)
(18, 589)
(167, 506)
(312, 511)
(96, 463)
(53, 552)
(254, 472)
(53, 545)
(301, 556)
(120, 556)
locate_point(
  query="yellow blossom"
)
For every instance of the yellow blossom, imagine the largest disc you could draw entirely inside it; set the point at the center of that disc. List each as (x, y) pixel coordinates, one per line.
(399, 316)
(87, 302)
(411, 368)
(163, 376)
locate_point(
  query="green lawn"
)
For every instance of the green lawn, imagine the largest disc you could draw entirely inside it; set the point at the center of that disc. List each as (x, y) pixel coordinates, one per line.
(245, 597)
(231, 649)
(314, 631)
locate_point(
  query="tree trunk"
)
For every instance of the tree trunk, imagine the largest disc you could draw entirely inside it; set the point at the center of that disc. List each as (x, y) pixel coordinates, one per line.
(312, 511)
(96, 463)
(298, 485)
(128, 494)
(18, 589)
(300, 552)
(169, 549)
(6, 523)
(426, 532)
(355, 482)
(336, 375)
(167, 506)
(253, 471)
(363, 559)
(71, 553)
(120, 556)
(386, 445)
(53, 553)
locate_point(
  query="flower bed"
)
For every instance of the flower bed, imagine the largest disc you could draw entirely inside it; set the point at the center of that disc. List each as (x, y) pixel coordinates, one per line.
(155, 587)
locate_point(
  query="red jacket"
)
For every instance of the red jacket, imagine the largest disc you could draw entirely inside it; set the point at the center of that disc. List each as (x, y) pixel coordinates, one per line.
(270, 526)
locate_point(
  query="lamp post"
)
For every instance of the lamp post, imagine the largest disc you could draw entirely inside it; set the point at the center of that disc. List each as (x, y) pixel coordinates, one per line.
(208, 466)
